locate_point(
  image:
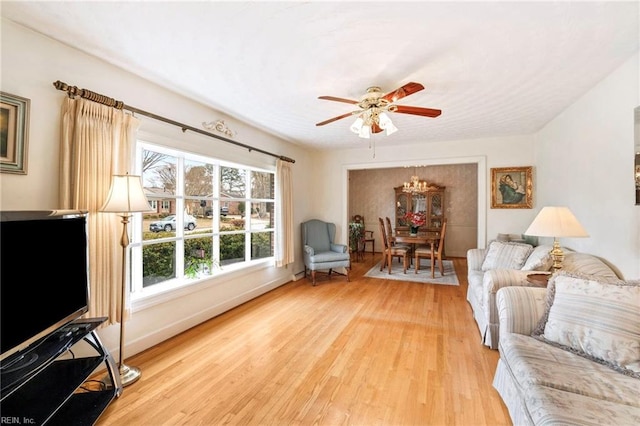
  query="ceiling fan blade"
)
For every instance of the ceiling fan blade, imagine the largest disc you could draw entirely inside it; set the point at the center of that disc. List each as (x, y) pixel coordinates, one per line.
(425, 112)
(406, 90)
(331, 120)
(333, 98)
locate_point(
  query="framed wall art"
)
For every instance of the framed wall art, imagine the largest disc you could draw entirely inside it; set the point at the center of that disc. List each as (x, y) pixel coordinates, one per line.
(511, 188)
(14, 133)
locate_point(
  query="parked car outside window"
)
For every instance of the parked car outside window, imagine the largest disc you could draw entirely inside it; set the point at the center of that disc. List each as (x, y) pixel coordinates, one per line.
(168, 224)
(223, 211)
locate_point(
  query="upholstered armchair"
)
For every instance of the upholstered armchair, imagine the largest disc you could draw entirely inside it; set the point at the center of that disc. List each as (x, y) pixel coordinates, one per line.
(319, 250)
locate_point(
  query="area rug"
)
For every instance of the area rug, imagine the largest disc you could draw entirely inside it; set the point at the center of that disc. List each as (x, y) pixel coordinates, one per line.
(423, 275)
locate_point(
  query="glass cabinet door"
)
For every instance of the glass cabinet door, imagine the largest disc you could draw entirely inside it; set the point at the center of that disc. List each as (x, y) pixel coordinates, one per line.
(419, 204)
(436, 213)
(402, 207)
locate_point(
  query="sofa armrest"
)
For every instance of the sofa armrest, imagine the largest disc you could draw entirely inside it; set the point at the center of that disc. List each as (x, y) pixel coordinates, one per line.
(495, 279)
(520, 308)
(309, 250)
(475, 257)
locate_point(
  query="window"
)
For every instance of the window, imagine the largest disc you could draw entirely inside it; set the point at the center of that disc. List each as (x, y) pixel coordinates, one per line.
(209, 216)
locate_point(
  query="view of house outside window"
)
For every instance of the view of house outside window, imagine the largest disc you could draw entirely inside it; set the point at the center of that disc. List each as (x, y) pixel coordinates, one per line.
(207, 216)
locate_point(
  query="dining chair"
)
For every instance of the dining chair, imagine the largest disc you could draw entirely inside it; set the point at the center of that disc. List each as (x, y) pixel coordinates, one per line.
(390, 233)
(368, 235)
(390, 251)
(425, 252)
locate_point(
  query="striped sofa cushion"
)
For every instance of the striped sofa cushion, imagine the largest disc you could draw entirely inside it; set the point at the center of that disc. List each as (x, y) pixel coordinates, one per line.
(584, 263)
(596, 317)
(502, 255)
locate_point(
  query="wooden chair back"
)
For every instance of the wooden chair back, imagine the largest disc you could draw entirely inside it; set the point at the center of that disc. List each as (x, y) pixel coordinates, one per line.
(389, 227)
(441, 241)
(383, 233)
(437, 254)
(358, 218)
(390, 251)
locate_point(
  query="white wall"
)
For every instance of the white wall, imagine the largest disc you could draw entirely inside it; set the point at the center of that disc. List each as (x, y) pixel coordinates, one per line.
(585, 160)
(30, 64)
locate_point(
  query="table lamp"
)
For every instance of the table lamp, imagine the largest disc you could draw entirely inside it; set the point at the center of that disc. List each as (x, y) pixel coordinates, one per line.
(126, 196)
(556, 222)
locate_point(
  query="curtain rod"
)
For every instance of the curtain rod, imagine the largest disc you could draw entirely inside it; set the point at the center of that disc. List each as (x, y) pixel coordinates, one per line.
(105, 100)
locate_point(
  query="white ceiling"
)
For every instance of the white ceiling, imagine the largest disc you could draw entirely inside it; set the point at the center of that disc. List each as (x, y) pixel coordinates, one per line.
(493, 68)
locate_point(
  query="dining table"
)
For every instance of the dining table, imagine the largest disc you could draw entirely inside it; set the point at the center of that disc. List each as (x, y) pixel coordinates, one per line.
(422, 237)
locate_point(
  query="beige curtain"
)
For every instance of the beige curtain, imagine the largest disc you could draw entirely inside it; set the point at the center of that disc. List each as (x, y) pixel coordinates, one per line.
(97, 141)
(284, 202)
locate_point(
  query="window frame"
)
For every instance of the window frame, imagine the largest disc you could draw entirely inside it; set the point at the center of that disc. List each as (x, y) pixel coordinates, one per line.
(142, 296)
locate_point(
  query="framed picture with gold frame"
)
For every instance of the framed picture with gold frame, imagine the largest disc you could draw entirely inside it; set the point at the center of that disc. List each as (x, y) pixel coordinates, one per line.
(14, 133)
(511, 188)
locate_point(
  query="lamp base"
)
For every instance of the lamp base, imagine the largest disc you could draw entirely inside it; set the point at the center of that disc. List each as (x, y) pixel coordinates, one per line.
(557, 255)
(129, 375)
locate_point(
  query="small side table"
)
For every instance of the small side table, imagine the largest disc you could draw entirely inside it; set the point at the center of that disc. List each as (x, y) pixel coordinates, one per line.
(357, 254)
(538, 280)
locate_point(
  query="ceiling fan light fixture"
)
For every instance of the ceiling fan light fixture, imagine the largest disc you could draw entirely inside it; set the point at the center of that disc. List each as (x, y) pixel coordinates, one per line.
(365, 132)
(356, 127)
(386, 124)
(391, 129)
(374, 107)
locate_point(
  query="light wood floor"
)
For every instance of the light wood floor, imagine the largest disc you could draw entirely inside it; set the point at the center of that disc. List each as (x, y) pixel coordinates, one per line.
(367, 352)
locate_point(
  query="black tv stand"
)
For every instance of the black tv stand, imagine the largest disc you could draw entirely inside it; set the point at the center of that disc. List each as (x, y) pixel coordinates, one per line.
(40, 386)
(20, 362)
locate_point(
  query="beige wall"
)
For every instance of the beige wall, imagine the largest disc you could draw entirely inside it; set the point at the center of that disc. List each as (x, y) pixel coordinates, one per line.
(372, 195)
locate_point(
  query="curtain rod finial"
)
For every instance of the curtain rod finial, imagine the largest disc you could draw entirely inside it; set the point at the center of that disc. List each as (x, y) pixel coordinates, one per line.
(290, 160)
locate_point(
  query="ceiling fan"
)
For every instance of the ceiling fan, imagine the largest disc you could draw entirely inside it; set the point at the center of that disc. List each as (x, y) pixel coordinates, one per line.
(372, 117)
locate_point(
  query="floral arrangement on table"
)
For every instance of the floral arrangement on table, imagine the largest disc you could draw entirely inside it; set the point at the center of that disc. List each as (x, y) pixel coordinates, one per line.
(416, 219)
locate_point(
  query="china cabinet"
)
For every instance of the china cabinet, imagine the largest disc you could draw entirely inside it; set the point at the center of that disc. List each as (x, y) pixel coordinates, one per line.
(430, 202)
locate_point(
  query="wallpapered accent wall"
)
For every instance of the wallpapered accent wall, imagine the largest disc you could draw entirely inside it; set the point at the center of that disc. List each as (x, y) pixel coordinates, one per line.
(371, 195)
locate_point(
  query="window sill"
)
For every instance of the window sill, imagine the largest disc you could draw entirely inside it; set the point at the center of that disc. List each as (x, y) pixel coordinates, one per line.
(168, 292)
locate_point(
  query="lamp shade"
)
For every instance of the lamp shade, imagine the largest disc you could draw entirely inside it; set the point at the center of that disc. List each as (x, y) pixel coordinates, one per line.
(556, 222)
(126, 195)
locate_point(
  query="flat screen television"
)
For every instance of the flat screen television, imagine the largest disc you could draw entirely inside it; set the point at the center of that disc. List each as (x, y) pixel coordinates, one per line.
(44, 275)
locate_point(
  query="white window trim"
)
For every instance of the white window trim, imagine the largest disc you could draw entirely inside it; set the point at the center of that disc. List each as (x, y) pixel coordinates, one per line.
(167, 291)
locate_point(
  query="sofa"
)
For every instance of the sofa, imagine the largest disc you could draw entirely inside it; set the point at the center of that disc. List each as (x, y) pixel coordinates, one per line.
(509, 263)
(570, 353)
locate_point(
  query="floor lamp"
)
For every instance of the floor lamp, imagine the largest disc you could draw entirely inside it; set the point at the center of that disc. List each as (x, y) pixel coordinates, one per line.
(126, 196)
(556, 222)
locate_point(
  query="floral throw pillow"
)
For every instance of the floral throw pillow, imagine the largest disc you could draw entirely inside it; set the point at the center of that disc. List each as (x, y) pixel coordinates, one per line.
(506, 255)
(596, 317)
(540, 259)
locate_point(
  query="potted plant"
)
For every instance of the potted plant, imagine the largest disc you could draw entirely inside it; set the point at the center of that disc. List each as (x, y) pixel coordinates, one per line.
(356, 236)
